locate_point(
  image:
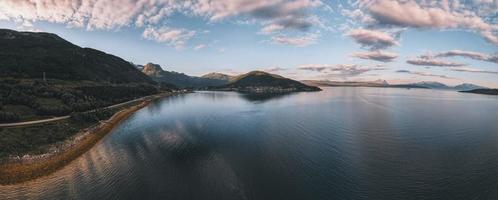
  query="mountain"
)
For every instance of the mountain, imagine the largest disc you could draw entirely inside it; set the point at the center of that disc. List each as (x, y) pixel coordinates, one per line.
(156, 72)
(431, 85)
(468, 86)
(327, 83)
(383, 83)
(263, 82)
(31, 55)
(218, 76)
(437, 85)
(483, 91)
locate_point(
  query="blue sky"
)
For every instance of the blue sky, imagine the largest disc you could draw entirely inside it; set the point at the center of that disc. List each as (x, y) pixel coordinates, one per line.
(398, 41)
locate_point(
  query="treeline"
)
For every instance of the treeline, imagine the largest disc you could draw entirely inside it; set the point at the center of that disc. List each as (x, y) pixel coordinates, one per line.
(62, 99)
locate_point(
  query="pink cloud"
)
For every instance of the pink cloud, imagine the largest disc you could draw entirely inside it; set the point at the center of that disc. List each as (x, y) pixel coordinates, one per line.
(469, 54)
(372, 39)
(410, 13)
(300, 41)
(382, 56)
(171, 36)
(433, 62)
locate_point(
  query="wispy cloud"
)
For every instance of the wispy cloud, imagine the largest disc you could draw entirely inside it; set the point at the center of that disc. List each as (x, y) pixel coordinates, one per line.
(171, 36)
(469, 54)
(372, 39)
(433, 62)
(432, 14)
(381, 56)
(199, 47)
(473, 70)
(300, 41)
(274, 69)
(423, 74)
(273, 15)
(340, 70)
(92, 14)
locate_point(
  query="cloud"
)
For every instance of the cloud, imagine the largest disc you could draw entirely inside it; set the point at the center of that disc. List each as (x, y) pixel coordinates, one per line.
(424, 61)
(171, 36)
(381, 56)
(91, 14)
(421, 14)
(472, 70)
(199, 47)
(274, 69)
(274, 15)
(469, 54)
(423, 74)
(300, 41)
(340, 70)
(372, 39)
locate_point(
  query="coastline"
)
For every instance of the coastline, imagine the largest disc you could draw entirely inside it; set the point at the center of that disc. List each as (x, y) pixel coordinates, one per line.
(25, 169)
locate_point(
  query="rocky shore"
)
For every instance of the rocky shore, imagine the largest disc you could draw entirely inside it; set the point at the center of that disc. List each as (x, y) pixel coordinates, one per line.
(28, 167)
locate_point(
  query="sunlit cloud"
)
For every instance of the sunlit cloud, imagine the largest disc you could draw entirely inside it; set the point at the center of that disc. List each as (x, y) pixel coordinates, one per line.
(433, 62)
(340, 70)
(372, 39)
(437, 15)
(469, 54)
(199, 47)
(300, 41)
(423, 74)
(381, 56)
(171, 36)
(473, 70)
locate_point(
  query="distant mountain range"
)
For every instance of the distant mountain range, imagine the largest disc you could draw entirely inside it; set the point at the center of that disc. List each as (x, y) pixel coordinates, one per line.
(31, 55)
(382, 83)
(255, 81)
(181, 80)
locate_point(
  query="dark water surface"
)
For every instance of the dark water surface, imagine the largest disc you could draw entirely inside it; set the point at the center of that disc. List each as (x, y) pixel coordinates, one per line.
(341, 143)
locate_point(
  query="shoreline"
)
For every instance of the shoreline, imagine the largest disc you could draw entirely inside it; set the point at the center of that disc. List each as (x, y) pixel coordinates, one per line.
(22, 169)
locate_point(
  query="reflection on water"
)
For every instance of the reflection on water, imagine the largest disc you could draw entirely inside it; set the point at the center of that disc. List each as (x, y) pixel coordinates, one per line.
(341, 143)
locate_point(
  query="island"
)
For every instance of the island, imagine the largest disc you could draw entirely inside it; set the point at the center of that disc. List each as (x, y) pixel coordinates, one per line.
(482, 91)
(263, 82)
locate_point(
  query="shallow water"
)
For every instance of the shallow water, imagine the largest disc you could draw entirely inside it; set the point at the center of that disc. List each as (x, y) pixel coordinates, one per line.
(341, 143)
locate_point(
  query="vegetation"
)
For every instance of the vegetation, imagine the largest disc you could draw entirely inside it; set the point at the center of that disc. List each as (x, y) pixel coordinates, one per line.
(27, 55)
(35, 99)
(262, 82)
(35, 139)
(43, 75)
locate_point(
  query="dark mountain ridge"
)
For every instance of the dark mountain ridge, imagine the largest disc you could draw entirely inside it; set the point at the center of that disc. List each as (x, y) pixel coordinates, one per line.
(182, 80)
(30, 55)
(423, 84)
(483, 91)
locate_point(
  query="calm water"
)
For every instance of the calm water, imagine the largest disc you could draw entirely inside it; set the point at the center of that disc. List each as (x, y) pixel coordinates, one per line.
(341, 143)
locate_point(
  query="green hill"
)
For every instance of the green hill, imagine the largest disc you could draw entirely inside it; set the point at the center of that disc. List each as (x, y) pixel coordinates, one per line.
(77, 79)
(29, 55)
(258, 81)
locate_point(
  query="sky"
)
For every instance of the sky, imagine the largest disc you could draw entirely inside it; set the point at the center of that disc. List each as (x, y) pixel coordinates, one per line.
(400, 41)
